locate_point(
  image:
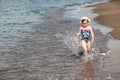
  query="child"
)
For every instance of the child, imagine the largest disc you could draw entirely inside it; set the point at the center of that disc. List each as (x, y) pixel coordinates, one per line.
(87, 36)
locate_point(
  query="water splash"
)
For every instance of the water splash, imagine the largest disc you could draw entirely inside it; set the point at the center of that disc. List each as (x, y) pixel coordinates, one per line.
(75, 47)
(95, 52)
(109, 77)
(69, 41)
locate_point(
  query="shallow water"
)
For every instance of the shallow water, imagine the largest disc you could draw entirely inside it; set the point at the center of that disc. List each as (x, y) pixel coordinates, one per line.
(17, 17)
(47, 51)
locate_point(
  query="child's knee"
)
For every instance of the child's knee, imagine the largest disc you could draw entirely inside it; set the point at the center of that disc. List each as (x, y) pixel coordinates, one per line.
(85, 50)
(88, 51)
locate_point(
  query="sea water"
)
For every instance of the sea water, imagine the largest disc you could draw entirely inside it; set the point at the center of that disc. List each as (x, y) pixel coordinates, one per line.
(18, 16)
(37, 38)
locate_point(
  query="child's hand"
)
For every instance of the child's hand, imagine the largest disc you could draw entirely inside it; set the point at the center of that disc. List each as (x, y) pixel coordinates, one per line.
(76, 39)
(92, 42)
(77, 34)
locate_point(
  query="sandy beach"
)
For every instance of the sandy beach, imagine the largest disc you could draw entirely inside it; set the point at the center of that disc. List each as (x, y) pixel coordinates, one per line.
(109, 15)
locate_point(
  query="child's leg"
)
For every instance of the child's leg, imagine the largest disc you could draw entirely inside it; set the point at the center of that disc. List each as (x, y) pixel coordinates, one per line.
(88, 46)
(84, 45)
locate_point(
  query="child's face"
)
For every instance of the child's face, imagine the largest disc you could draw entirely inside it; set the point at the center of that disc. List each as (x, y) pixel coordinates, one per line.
(85, 23)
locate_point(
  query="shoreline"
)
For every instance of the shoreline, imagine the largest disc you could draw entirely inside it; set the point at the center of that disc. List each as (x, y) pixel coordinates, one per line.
(109, 17)
(43, 53)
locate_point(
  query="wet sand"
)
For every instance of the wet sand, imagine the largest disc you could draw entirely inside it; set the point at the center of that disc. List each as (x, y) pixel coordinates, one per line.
(112, 60)
(109, 15)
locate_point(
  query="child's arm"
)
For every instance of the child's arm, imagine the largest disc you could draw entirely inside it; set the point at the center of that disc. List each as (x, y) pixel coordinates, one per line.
(92, 35)
(78, 35)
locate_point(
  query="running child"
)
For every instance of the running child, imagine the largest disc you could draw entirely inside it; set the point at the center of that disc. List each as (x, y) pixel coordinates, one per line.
(86, 35)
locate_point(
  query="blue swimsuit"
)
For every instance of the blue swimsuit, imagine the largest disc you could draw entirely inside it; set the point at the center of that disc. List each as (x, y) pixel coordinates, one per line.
(85, 34)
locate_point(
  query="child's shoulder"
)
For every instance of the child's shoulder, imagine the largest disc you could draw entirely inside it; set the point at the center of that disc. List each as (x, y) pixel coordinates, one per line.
(89, 27)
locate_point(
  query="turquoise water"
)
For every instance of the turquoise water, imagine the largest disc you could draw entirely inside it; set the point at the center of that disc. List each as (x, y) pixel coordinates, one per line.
(37, 40)
(23, 12)
(17, 16)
